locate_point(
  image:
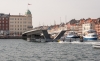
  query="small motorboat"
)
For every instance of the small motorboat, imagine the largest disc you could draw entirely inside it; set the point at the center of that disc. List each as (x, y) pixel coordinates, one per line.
(97, 45)
(72, 34)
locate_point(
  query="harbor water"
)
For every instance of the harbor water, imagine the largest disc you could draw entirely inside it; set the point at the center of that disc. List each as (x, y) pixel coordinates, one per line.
(21, 50)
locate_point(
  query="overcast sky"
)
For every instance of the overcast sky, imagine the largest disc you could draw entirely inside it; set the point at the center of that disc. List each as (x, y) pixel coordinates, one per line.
(47, 11)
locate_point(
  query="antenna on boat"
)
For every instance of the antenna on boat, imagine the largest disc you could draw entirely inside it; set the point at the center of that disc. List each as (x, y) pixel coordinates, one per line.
(54, 22)
(65, 18)
(39, 23)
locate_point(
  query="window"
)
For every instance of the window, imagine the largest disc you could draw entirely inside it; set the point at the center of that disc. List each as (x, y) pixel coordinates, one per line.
(6, 28)
(2, 21)
(3, 28)
(20, 18)
(6, 21)
(11, 18)
(24, 22)
(6, 24)
(24, 18)
(6, 18)
(91, 24)
(29, 22)
(2, 24)
(2, 18)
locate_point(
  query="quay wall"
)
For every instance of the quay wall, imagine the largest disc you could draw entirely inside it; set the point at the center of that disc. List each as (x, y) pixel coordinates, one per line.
(10, 37)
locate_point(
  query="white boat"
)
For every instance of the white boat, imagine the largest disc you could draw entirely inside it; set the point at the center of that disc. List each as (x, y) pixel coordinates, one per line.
(72, 34)
(96, 45)
(90, 35)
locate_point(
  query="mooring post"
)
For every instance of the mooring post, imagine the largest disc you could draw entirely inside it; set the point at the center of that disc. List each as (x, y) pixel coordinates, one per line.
(70, 39)
(28, 38)
(75, 39)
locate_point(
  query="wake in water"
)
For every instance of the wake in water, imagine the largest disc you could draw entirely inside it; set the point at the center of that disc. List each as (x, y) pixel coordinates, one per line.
(78, 42)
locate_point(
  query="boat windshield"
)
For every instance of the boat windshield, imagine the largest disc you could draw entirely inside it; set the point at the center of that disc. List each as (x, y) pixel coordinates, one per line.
(91, 31)
(71, 33)
(94, 35)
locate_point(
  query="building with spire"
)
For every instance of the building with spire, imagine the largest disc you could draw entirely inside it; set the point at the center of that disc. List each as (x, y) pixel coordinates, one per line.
(20, 23)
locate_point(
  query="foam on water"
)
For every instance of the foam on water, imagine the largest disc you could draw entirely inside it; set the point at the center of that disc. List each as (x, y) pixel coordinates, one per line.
(78, 42)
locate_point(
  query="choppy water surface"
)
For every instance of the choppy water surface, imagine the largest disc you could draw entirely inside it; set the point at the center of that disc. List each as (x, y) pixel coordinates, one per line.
(21, 50)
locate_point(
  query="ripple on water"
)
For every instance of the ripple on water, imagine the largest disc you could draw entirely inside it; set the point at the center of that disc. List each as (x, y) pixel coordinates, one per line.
(21, 50)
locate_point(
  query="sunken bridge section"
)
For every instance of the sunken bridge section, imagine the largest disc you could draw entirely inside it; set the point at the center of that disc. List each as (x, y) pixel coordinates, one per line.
(41, 36)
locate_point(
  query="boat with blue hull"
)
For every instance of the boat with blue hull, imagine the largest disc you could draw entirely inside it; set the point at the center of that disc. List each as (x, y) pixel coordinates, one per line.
(91, 35)
(90, 39)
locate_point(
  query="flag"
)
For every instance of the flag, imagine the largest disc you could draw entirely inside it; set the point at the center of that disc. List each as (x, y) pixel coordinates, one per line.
(29, 4)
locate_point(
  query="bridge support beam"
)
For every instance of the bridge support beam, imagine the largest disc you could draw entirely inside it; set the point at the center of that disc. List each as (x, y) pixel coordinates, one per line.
(46, 36)
(29, 38)
(59, 35)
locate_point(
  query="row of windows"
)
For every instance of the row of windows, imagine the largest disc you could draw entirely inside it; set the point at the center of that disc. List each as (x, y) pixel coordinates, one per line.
(3, 28)
(16, 18)
(3, 18)
(87, 28)
(97, 26)
(87, 25)
(15, 32)
(20, 19)
(3, 21)
(18, 29)
(98, 29)
(18, 26)
(4, 25)
(21, 22)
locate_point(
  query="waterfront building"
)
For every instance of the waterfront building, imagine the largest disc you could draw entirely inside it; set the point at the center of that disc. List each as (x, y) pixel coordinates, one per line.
(79, 25)
(4, 24)
(97, 25)
(20, 23)
(89, 24)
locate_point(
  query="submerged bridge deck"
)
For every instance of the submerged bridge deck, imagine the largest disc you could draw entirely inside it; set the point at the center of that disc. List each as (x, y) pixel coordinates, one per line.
(41, 35)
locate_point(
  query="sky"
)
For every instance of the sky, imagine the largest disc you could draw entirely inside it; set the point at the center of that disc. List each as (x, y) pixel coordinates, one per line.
(46, 12)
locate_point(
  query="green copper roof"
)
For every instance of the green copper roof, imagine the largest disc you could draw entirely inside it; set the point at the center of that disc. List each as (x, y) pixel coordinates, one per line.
(28, 12)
